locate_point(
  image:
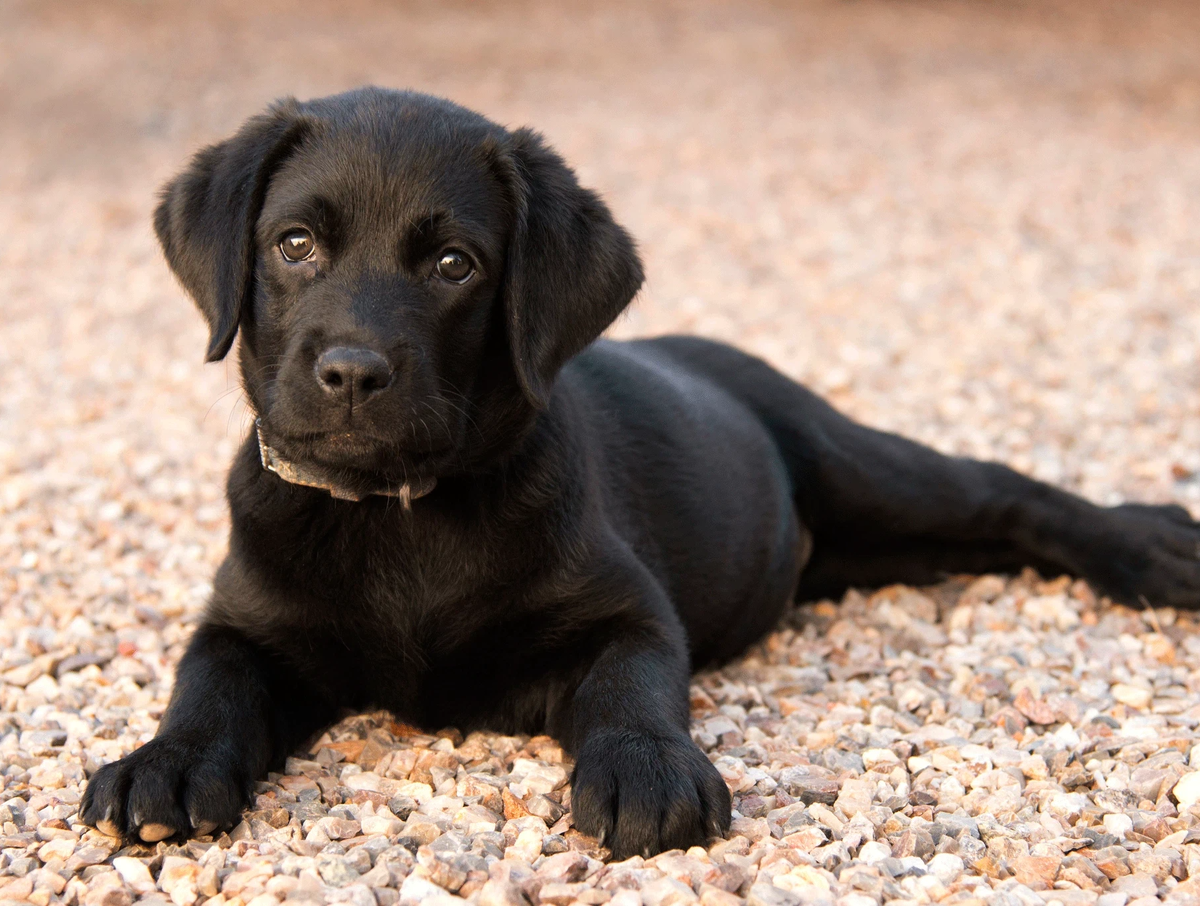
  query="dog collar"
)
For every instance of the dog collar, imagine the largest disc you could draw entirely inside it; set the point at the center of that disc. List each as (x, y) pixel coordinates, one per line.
(297, 474)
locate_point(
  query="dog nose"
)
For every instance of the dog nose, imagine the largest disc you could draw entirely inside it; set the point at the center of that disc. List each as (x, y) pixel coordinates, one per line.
(352, 373)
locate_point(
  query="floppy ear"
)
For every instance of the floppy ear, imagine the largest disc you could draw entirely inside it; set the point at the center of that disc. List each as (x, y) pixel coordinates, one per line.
(571, 269)
(206, 216)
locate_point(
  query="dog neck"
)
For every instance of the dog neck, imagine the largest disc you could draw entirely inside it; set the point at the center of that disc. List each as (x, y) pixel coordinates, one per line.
(294, 473)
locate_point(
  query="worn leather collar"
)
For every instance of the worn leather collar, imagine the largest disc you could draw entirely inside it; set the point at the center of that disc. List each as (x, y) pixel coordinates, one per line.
(294, 473)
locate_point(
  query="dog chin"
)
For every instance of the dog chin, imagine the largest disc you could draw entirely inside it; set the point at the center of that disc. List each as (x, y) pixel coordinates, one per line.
(353, 456)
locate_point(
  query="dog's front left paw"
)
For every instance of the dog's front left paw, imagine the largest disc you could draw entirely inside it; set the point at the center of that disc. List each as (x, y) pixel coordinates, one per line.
(641, 794)
(167, 788)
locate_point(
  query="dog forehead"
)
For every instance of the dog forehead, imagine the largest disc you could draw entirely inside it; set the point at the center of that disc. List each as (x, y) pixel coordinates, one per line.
(396, 160)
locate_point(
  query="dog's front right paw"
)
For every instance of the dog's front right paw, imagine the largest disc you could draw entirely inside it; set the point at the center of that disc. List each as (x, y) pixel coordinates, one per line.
(642, 794)
(167, 788)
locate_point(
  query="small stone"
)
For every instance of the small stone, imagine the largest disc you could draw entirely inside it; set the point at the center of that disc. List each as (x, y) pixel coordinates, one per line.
(1120, 825)
(27, 673)
(914, 842)
(339, 828)
(387, 825)
(1112, 861)
(764, 894)
(1038, 711)
(422, 829)
(513, 807)
(946, 866)
(1159, 647)
(108, 894)
(207, 882)
(42, 741)
(442, 872)
(879, 758)
(753, 829)
(566, 867)
(855, 796)
(177, 879)
(538, 778)
(667, 892)
(1067, 806)
(501, 893)
(1187, 790)
(61, 848)
(1186, 893)
(1133, 696)
(874, 851)
(415, 889)
(1083, 873)
(809, 788)
(1034, 768)
(528, 844)
(134, 873)
(90, 854)
(959, 824)
(1036, 872)
(714, 896)
(1147, 782)
(1136, 885)
(336, 871)
(1159, 864)
(554, 844)
(806, 839)
(1006, 849)
(559, 894)
(545, 808)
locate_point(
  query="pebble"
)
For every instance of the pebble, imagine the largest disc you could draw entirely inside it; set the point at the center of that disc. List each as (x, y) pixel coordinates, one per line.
(1118, 825)
(763, 894)
(1187, 790)
(134, 873)
(1134, 696)
(1136, 885)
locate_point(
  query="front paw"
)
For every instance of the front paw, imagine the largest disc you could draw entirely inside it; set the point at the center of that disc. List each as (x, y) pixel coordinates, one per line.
(1147, 555)
(642, 794)
(166, 788)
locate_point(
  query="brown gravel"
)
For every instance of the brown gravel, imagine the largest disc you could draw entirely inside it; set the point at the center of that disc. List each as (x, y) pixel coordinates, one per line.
(972, 222)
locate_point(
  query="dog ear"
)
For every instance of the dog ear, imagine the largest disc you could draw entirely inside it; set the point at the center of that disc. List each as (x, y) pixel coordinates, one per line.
(206, 216)
(571, 269)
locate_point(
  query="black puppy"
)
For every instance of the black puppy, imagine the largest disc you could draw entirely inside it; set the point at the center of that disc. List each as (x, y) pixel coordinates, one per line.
(459, 507)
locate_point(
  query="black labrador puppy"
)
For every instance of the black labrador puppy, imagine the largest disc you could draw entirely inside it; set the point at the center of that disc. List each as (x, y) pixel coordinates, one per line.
(460, 506)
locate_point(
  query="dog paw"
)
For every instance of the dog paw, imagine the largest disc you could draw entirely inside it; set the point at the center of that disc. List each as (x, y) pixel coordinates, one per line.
(166, 788)
(1147, 554)
(642, 794)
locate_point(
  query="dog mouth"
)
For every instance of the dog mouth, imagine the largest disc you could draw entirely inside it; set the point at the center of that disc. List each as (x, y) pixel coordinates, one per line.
(343, 479)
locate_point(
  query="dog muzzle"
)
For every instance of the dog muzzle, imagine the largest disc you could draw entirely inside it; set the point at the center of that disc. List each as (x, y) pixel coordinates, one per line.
(293, 473)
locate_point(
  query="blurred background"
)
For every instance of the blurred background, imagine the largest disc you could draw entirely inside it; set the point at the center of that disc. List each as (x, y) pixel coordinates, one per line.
(977, 223)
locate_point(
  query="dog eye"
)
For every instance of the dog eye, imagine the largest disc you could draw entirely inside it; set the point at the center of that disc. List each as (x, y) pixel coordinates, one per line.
(455, 266)
(298, 245)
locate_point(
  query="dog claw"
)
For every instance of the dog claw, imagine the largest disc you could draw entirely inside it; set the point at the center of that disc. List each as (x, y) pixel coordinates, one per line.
(109, 827)
(152, 832)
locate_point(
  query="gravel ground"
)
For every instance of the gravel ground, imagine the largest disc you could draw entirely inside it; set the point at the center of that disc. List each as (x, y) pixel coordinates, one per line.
(972, 222)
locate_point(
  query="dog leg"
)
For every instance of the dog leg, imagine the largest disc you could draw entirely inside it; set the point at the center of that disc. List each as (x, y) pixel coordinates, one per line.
(234, 711)
(884, 509)
(641, 784)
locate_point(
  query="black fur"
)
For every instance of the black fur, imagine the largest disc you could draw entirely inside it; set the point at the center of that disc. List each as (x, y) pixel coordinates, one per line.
(607, 516)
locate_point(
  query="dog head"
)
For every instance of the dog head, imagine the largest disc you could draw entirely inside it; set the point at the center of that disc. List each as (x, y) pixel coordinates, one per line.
(406, 276)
